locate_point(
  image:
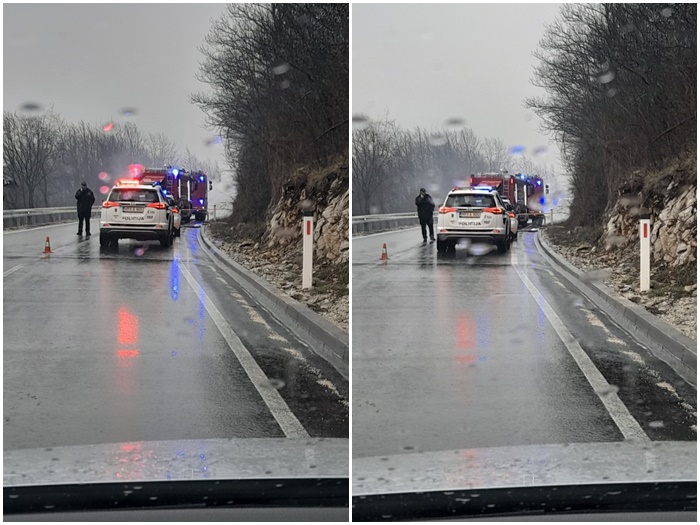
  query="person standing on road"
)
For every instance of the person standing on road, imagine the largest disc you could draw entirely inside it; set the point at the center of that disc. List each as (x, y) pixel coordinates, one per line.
(426, 207)
(85, 199)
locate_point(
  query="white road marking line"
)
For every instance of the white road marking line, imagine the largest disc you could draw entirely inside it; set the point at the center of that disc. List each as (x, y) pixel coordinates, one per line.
(287, 421)
(12, 270)
(360, 237)
(24, 230)
(276, 337)
(513, 256)
(593, 319)
(629, 426)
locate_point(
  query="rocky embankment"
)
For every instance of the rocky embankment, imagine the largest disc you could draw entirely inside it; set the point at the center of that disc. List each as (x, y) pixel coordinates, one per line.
(277, 256)
(613, 254)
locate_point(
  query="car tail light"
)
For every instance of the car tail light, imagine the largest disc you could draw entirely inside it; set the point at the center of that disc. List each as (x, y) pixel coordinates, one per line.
(158, 205)
(511, 215)
(446, 209)
(110, 204)
(495, 211)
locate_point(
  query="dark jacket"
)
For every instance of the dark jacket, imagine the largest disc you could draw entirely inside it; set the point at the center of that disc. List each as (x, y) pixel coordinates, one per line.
(425, 205)
(85, 199)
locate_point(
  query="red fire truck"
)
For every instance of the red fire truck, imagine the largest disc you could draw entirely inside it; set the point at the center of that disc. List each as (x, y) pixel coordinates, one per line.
(525, 192)
(190, 189)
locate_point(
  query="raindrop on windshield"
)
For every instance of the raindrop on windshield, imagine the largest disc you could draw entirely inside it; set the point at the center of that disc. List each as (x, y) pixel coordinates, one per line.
(129, 112)
(608, 390)
(479, 249)
(517, 150)
(596, 275)
(606, 78)
(615, 240)
(434, 187)
(104, 190)
(103, 175)
(437, 140)
(108, 127)
(610, 93)
(285, 84)
(30, 106)
(277, 383)
(280, 67)
(666, 12)
(630, 200)
(454, 123)
(627, 28)
(306, 205)
(139, 252)
(540, 151)
(360, 121)
(656, 424)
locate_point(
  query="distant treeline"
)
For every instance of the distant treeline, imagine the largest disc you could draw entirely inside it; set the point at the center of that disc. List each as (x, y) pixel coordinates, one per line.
(279, 79)
(391, 164)
(46, 158)
(621, 96)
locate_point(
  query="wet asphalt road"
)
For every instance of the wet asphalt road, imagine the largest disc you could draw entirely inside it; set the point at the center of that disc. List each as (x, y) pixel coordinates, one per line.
(457, 351)
(146, 343)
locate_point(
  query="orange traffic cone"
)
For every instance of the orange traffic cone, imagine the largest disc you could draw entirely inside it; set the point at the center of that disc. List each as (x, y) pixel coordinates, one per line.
(47, 246)
(385, 256)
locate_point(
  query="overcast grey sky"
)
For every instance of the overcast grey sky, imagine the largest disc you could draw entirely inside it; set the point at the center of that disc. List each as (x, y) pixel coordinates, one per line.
(426, 63)
(89, 61)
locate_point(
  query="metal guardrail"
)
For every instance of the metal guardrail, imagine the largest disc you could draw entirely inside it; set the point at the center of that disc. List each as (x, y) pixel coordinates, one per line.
(41, 216)
(389, 221)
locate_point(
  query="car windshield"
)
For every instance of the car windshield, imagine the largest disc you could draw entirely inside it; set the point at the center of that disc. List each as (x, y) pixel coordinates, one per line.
(176, 360)
(518, 364)
(470, 201)
(127, 195)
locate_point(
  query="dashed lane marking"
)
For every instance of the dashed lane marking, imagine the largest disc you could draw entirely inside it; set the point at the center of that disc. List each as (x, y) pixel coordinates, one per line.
(12, 270)
(287, 421)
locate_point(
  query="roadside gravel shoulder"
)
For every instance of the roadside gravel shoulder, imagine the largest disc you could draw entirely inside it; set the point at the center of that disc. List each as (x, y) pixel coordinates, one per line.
(619, 270)
(329, 296)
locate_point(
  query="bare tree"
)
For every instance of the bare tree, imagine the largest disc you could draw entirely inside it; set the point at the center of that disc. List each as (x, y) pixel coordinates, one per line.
(30, 152)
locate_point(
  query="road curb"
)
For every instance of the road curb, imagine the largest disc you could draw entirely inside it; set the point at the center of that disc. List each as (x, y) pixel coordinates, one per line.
(665, 342)
(322, 336)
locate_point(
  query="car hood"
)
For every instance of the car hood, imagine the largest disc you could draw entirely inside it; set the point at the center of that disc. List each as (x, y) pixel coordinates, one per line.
(214, 459)
(523, 466)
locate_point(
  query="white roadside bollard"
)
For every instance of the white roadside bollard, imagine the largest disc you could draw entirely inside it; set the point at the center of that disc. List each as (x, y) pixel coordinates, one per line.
(644, 253)
(308, 255)
(214, 217)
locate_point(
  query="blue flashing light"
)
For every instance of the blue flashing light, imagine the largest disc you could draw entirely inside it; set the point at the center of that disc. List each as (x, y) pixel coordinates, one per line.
(176, 171)
(522, 176)
(543, 200)
(201, 201)
(201, 178)
(539, 183)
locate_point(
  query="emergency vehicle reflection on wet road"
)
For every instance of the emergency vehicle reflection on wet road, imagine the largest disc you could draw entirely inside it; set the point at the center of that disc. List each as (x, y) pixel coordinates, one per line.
(144, 343)
(477, 349)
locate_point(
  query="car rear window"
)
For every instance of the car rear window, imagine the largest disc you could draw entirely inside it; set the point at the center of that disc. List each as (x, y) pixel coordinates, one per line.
(470, 201)
(130, 195)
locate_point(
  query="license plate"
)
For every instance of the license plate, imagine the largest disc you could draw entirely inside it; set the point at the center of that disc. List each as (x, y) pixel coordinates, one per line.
(469, 215)
(132, 209)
